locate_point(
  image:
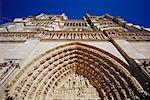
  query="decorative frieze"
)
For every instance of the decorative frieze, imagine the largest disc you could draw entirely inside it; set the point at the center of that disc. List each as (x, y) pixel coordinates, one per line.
(73, 35)
(47, 35)
(16, 36)
(131, 36)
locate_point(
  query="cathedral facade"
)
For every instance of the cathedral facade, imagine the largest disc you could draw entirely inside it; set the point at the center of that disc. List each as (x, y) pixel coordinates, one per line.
(47, 57)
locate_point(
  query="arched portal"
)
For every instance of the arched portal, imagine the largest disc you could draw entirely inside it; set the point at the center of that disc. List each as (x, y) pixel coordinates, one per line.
(107, 74)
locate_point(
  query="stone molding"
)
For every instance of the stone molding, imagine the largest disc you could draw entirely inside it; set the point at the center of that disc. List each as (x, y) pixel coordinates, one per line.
(50, 35)
(108, 74)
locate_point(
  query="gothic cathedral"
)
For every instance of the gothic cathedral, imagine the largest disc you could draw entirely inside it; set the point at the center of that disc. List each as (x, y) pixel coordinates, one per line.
(48, 57)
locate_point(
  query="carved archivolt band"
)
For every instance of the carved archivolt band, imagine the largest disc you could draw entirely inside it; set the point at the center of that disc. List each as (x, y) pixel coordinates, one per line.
(108, 74)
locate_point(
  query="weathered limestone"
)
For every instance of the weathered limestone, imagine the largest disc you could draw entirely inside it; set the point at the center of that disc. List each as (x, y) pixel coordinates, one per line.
(50, 57)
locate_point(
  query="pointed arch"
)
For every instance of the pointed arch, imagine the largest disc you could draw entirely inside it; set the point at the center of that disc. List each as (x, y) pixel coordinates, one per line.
(108, 74)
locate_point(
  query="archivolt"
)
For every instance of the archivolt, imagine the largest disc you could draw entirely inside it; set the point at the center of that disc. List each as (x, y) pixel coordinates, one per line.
(108, 74)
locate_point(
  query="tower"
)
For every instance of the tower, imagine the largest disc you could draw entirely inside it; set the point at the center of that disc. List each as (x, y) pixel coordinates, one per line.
(51, 57)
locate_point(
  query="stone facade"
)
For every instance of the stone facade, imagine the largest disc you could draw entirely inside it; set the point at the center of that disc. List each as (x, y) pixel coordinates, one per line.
(48, 57)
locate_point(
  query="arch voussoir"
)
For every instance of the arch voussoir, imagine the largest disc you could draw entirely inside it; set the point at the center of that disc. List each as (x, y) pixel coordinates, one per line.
(47, 72)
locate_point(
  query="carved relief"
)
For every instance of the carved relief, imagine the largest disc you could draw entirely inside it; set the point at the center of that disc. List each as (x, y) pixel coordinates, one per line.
(106, 73)
(128, 35)
(73, 35)
(46, 35)
(16, 36)
(103, 76)
(145, 65)
(6, 67)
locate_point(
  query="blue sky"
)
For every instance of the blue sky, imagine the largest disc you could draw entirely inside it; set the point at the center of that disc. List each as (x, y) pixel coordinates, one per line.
(135, 11)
